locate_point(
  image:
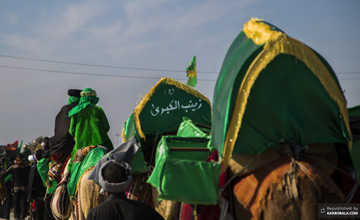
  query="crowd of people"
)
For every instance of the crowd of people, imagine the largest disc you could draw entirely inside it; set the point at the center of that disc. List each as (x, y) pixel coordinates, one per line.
(28, 184)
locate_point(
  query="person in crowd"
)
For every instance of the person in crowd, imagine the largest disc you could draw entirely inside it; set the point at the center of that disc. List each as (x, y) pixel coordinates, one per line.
(89, 124)
(62, 142)
(42, 166)
(37, 190)
(6, 199)
(114, 178)
(58, 147)
(20, 175)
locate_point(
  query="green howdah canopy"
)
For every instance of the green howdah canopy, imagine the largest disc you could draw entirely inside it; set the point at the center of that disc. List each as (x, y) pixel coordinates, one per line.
(129, 129)
(274, 89)
(163, 108)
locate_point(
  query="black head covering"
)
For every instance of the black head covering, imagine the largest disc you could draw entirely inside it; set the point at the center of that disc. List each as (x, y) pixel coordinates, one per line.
(74, 92)
(39, 154)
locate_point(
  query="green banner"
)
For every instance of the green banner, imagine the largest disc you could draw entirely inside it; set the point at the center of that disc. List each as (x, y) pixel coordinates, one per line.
(166, 104)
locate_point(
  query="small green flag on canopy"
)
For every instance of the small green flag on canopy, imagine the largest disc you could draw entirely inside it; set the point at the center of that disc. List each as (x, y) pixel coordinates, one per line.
(191, 73)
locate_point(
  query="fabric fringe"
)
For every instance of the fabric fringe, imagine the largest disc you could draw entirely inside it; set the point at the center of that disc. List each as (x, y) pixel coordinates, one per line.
(259, 32)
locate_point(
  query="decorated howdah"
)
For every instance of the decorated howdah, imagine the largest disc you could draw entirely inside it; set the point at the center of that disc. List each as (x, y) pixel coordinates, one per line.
(273, 89)
(172, 108)
(162, 110)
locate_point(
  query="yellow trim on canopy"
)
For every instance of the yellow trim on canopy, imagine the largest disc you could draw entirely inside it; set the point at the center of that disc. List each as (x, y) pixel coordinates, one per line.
(123, 136)
(281, 44)
(168, 81)
(259, 32)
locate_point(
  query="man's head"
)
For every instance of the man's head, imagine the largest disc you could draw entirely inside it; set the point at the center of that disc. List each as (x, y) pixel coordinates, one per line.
(88, 98)
(74, 95)
(114, 173)
(39, 154)
(74, 92)
(20, 158)
(115, 176)
(88, 92)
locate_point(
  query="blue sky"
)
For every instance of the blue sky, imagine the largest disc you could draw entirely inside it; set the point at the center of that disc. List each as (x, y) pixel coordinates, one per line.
(154, 35)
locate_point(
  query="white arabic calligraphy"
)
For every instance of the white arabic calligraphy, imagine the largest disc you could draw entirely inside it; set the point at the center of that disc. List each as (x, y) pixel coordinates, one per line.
(156, 110)
(169, 91)
(174, 105)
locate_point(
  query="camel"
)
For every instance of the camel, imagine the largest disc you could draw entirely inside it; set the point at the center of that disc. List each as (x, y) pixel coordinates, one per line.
(281, 188)
(284, 189)
(84, 194)
(87, 197)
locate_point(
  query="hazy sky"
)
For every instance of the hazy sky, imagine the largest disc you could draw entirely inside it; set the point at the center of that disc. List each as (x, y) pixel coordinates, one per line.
(112, 38)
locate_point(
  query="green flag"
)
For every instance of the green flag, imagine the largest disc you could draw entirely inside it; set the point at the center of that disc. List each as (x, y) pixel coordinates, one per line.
(20, 145)
(191, 73)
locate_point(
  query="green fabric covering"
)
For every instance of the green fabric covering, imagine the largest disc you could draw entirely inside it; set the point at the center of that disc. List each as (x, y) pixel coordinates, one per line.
(6, 163)
(287, 102)
(184, 175)
(87, 100)
(43, 168)
(130, 131)
(73, 99)
(129, 128)
(138, 164)
(188, 129)
(237, 60)
(84, 102)
(168, 110)
(289, 99)
(77, 169)
(89, 127)
(88, 92)
(8, 178)
(166, 104)
(191, 73)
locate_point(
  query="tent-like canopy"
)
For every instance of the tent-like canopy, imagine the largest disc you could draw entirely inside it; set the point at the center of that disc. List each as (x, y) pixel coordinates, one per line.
(162, 110)
(274, 89)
